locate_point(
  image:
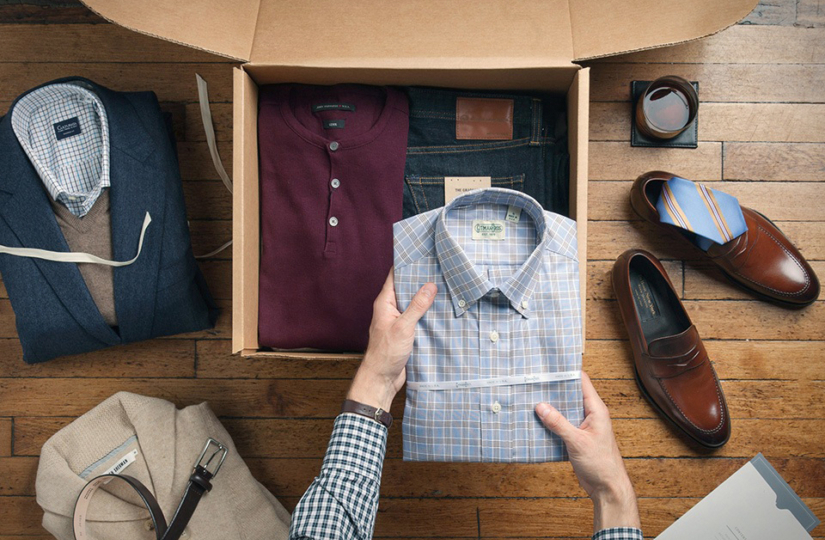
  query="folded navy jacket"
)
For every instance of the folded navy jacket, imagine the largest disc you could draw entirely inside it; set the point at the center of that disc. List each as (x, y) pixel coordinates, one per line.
(55, 150)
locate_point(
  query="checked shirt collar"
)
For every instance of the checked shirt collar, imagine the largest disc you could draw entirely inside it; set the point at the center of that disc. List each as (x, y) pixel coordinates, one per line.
(466, 283)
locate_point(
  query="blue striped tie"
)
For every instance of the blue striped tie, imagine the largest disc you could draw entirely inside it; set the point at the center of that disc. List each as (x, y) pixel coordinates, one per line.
(714, 217)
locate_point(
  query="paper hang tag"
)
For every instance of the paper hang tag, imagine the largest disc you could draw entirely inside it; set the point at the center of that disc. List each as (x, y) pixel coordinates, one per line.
(457, 185)
(513, 214)
(489, 230)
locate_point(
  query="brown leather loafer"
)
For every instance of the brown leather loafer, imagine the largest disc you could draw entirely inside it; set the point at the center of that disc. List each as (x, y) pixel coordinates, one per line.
(672, 367)
(762, 260)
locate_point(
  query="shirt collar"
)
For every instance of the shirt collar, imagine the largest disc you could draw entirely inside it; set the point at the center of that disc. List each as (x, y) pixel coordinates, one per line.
(79, 202)
(466, 282)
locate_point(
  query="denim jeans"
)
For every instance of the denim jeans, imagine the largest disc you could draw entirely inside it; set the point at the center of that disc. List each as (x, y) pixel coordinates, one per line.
(535, 161)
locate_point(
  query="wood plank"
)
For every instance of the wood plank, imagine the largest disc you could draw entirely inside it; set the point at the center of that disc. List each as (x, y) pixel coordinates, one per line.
(754, 319)
(810, 13)
(36, 13)
(32, 433)
(745, 122)
(291, 398)
(221, 119)
(740, 44)
(196, 161)
(20, 516)
(606, 240)
(775, 161)
(772, 12)
(215, 360)
(207, 200)
(171, 82)
(208, 235)
(780, 201)
(5, 436)
(618, 161)
(91, 43)
(717, 82)
(747, 359)
(704, 281)
(155, 358)
(218, 275)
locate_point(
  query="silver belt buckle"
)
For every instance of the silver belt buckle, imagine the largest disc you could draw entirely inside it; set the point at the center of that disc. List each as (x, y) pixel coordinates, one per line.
(214, 449)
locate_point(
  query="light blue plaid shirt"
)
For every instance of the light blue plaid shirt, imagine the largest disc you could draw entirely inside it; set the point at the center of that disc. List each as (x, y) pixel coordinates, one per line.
(507, 314)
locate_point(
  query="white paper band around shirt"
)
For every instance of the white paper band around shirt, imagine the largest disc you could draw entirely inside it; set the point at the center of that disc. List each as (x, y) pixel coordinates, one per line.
(497, 381)
(76, 256)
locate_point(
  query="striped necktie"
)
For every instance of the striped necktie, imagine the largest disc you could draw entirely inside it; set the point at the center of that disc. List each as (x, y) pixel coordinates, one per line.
(713, 216)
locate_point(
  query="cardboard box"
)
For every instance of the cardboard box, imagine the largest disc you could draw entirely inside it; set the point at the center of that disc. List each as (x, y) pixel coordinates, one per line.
(470, 44)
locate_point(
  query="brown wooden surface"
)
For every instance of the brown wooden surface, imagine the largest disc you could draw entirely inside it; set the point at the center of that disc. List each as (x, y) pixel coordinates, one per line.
(762, 138)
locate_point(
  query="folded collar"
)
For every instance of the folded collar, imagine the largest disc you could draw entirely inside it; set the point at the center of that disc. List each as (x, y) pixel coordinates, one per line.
(466, 282)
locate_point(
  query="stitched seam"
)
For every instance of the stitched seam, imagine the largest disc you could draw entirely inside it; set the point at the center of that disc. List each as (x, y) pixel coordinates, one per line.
(462, 146)
(718, 399)
(501, 180)
(807, 279)
(460, 150)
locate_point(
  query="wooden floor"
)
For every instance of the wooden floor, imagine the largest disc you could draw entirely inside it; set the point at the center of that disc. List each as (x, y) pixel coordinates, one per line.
(762, 132)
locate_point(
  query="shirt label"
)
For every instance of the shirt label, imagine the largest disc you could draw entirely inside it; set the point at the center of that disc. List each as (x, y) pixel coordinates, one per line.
(333, 107)
(122, 463)
(334, 124)
(67, 128)
(458, 185)
(513, 214)
(489, 230)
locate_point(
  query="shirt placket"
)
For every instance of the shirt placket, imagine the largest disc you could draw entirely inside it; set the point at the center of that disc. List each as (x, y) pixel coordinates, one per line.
(334, 185)
(495, 403)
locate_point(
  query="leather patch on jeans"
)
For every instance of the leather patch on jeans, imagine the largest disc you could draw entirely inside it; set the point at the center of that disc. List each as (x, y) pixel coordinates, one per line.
(484, 119)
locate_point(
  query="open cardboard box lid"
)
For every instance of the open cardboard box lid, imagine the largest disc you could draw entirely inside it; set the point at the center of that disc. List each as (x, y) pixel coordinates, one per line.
(444, 34)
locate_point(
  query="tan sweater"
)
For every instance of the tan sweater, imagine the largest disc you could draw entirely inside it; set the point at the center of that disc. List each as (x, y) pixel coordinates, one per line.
(92, 234)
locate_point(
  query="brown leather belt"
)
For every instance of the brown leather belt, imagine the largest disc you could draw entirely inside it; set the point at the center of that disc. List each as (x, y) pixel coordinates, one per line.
(199, 483)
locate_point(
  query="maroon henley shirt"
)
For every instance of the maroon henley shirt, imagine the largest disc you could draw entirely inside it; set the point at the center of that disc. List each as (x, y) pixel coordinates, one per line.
(331, 176)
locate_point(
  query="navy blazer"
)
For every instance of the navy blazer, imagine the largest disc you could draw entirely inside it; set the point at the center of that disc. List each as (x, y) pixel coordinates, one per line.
(160, 294)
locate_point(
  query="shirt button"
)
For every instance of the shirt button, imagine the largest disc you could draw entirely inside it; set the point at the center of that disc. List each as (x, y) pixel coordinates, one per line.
(493, 336)
(335, 183)
(462, 303)
(524, 304)
(333, 146)
(333, 221)
(496, 407)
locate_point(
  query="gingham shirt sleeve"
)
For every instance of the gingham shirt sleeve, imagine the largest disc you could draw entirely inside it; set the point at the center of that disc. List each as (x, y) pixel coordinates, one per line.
(619, 533)
(343, 500)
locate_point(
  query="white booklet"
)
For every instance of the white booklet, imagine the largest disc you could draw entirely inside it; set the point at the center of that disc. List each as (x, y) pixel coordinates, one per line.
(755, 503)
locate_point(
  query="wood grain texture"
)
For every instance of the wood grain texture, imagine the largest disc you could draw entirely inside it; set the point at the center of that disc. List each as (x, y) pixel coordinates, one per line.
(761, 139)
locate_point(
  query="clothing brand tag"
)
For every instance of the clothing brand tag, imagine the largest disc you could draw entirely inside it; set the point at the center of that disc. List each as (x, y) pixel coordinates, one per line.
(122, 463)
(333, 107)
(513, 214)
(457, 185)
(484, 119)
(67, 128)
(645, 301)
(334, 124)
(489, 230)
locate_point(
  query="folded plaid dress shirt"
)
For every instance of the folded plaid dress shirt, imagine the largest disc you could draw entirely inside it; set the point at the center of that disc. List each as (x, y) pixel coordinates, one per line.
(503, 334)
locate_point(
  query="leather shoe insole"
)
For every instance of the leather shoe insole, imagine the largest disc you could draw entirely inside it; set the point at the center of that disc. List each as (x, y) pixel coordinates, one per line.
(659, 311)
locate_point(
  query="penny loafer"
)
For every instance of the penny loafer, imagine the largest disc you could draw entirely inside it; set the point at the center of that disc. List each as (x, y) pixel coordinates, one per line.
(673, 370)
(762, 260)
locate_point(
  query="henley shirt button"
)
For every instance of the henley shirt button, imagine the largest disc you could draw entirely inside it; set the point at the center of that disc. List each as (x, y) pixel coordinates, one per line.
(493, 336)
(333, 146)
(335, 183)
(462, 303)
(496, 407)
(333, 221)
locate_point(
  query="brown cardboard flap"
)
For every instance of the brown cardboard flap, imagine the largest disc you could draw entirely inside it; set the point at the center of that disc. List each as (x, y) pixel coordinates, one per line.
(389, 33)
(223, 27)
(603, 28)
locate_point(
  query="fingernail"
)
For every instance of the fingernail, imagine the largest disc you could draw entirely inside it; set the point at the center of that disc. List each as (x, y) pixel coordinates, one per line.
(427, 290)
(542, 409)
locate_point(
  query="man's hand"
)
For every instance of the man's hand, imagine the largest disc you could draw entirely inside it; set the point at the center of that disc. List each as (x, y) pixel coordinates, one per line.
(596, 460)
(382, 372)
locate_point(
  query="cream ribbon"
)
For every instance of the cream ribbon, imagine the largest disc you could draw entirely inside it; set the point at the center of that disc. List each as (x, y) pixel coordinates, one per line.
(77, 256)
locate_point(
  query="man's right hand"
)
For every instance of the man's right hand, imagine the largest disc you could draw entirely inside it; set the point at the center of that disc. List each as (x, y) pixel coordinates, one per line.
(596, 460)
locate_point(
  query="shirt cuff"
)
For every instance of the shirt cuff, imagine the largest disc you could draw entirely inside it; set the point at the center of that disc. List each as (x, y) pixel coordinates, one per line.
(357, 445)
(619, 533)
